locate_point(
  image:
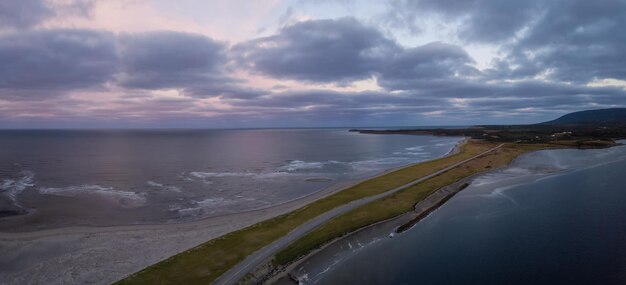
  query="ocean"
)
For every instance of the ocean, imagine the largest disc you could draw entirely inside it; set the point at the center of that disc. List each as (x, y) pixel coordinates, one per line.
(58, 178)
(552, 217)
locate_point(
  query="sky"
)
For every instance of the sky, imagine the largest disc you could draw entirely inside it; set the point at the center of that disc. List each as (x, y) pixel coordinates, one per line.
(306, 63)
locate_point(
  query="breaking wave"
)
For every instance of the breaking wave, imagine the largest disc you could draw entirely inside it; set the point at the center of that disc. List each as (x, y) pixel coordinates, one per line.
(446, 143)
(11, 188)
(164, 187)
(333, 166)
(414, 153)
(296, 165)
(206, 175)
(294, 168)
(415, 148)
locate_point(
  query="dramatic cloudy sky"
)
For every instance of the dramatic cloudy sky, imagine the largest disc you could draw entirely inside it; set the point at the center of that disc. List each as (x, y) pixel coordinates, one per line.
(289, 63)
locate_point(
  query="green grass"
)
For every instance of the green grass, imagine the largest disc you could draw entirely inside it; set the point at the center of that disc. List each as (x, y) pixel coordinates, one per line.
(397, 203)
(204, 263)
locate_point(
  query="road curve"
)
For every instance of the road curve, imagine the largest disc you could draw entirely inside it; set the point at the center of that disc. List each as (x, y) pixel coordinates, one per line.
(240, 270)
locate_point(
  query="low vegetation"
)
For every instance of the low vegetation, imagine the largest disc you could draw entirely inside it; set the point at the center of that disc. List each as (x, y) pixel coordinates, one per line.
(203, 264)
(587, 129)
(398, 203)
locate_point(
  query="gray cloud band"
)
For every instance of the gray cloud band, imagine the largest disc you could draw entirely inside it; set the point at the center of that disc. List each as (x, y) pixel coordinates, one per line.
(550, 51)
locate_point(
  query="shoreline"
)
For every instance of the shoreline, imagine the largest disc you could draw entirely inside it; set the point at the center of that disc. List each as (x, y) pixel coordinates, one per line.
(261, 263)
(400, 223)
(421, 209)
(391, 226)
(322, 193)
(134, 244)
(299, 270)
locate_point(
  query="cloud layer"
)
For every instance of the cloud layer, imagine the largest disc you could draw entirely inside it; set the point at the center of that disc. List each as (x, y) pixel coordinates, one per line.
(164, 59)
(54, 61)
(319, 51)
(551, 57)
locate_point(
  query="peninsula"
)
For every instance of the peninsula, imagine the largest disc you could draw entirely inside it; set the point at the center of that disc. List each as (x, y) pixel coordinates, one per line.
(256, 253)
(584, 129)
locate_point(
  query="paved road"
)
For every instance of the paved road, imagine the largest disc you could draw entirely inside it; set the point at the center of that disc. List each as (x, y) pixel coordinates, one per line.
(240, 270)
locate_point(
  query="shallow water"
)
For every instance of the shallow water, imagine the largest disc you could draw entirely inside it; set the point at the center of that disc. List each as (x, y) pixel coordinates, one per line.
(111, 177)
(553, 217)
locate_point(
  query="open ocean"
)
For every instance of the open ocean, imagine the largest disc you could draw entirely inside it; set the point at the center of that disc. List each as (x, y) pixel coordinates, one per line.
(53, 178)
(552, 217)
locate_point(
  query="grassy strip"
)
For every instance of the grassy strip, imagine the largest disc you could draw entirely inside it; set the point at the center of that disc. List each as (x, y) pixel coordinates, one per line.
(206, 262)
(398, 203)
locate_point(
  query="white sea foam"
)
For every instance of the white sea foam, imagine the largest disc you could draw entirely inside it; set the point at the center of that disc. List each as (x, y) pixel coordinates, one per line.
(122, 198)
(311, 168)
(378, 163)
(155, 184)
(164, 187)
(12, 188)
(329, 267)
(296, 165)
(446, 143)
(320, 167)
(206, 176)
(201, 206)
(415, 148)
(207, 205)
(417, 153)
(203, 175)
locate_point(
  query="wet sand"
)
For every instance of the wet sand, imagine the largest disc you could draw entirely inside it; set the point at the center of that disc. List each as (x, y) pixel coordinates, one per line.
(101, 255)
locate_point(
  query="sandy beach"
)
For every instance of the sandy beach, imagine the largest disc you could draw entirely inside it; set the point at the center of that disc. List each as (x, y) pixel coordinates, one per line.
(101, 255)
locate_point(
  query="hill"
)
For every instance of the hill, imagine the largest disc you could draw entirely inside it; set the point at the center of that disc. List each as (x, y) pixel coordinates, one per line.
(584, 129)
(600, 116)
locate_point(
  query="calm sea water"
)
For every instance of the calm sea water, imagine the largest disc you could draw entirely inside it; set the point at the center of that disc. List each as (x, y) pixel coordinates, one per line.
(554, 217)
(124, 177)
